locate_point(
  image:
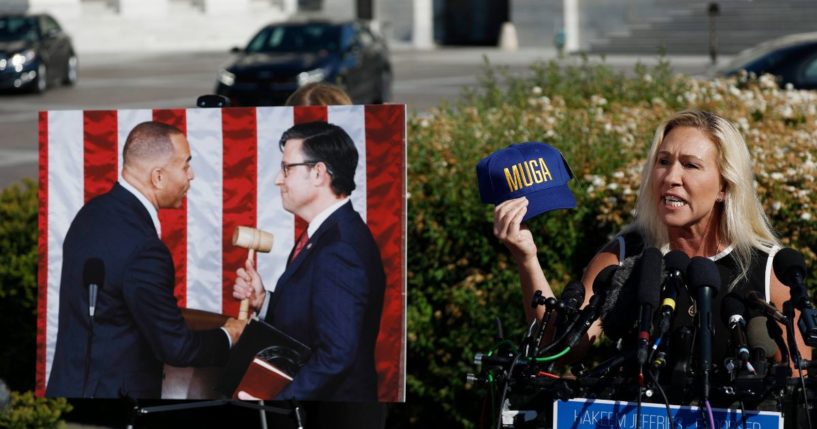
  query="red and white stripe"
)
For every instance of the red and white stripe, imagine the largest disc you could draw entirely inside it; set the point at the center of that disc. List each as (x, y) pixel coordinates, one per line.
(235, 159)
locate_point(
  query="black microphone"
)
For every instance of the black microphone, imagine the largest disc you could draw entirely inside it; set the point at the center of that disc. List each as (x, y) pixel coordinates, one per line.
(572, 298)
(649, 291)
(93, 277)
(732, 311)
(675, 267)
(704, 278)
(790, 268)
(592, 310)
(762, 345)
(757, 302)
(621, 301)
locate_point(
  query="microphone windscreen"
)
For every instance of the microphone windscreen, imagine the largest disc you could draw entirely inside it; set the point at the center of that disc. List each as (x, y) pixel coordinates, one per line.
(787, 264)
(730, 306)
(676, 261)
(604, 279)
(573, 296)
(649, 280)
(620, 308)
(702, 272)
(757, 334)
(93, 272)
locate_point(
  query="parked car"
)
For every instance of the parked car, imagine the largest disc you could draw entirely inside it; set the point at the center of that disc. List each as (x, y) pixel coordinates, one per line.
(793, 59)
(282, 57)
(34, 53)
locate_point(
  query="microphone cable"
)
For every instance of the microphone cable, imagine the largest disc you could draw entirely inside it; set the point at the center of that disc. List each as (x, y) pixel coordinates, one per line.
(711, 419)
(552, 357)
(505, 392)
(654, 378)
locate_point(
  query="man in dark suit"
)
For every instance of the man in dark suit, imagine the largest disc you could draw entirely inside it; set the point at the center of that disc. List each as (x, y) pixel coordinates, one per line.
(136, 326)
(330, 296)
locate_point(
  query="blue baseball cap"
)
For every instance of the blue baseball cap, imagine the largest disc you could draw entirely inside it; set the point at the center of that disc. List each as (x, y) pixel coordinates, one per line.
(534, 170)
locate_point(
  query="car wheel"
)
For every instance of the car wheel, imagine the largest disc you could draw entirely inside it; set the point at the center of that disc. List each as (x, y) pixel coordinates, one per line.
(70, 77)
(41, 83)
(384, 94)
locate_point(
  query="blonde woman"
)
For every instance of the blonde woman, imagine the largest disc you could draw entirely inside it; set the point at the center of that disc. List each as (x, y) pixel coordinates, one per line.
(696, 196)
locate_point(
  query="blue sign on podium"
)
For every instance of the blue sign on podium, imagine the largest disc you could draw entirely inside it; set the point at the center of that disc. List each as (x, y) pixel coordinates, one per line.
(603, 414)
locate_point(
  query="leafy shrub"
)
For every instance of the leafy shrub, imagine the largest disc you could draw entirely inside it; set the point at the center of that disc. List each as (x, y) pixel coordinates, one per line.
(460, 278)
(18, 284)
(30, 412)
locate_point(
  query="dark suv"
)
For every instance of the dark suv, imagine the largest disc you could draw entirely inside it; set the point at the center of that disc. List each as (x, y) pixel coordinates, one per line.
(283, 57)
(34, 52)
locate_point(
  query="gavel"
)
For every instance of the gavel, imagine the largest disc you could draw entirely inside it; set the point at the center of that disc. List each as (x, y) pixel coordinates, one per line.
(255, 240)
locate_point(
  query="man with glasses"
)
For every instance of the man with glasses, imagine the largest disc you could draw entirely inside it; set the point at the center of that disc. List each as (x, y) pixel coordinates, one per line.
(330, 296)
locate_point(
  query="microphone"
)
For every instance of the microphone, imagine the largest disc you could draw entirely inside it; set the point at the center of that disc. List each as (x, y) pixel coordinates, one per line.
(675, 264)
(757, 302)
(93, 277)
(620, 305)
(592, 311)
(572, 298)
(649, 291)
(790, 268)
(762, 345)
(704, 278)
(732, 311)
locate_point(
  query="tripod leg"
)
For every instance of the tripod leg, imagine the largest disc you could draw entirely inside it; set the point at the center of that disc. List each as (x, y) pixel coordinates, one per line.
(134, 413)
(263, 416)
(299, 417)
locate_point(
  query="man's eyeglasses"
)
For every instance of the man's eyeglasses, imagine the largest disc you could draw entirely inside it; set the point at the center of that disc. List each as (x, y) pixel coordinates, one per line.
(285, 167)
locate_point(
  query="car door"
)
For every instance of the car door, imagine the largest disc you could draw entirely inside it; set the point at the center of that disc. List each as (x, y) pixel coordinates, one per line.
(52, 46)
(352, 74)
(807, 73)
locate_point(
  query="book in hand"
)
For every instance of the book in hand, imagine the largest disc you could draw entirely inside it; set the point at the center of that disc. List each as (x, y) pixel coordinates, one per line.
(263, 361)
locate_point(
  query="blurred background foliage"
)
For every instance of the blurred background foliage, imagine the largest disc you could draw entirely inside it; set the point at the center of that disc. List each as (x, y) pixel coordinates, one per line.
(459, 277)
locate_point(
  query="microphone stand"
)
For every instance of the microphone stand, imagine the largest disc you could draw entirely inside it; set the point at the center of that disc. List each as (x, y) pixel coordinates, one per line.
(788, 310)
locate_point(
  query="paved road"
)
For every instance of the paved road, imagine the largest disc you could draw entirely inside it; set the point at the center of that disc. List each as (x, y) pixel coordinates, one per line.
(422, 79)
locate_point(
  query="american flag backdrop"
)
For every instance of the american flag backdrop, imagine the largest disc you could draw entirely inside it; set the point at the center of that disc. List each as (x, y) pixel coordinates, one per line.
(235, 159)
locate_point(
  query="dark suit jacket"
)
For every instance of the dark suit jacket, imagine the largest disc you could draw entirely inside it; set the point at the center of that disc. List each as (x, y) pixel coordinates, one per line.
(330, 298)
(137, 325)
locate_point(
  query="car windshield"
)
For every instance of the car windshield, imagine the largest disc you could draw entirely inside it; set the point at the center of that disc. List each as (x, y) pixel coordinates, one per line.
(296, 38)
(17, 28)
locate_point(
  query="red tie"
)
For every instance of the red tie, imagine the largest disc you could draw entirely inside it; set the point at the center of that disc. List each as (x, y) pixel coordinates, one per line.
(299, 246)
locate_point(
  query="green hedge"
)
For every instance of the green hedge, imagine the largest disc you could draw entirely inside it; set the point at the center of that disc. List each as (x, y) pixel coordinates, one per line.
(18, 284)
(460, 278)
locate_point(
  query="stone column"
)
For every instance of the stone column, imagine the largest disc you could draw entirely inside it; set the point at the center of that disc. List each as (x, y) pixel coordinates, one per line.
(571, 20)
(422, 33)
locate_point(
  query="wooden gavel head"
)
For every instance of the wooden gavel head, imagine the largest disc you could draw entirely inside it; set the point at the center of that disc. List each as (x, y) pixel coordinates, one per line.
(252, 238)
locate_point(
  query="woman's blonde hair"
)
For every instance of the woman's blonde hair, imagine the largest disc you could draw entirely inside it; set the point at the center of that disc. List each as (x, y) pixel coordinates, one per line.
(743, 222)
(319, 94)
